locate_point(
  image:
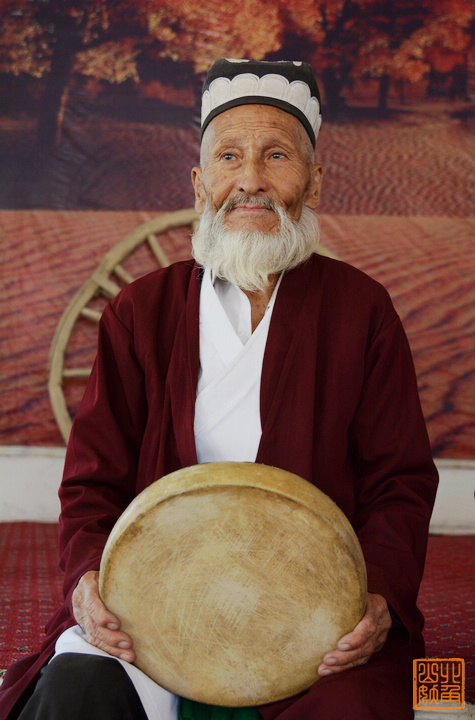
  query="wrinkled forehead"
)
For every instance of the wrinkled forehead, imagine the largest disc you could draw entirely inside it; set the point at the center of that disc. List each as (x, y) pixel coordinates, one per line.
(255, 123)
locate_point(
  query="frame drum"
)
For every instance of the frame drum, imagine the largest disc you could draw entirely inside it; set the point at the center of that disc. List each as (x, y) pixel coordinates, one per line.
(234, 580)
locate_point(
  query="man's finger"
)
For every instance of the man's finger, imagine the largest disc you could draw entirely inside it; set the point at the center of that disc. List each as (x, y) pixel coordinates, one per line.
(114, 644)
(342, 660)
(364, 631)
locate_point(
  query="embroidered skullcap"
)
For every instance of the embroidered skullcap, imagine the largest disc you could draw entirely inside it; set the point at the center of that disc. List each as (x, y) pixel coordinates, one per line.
(289, 86)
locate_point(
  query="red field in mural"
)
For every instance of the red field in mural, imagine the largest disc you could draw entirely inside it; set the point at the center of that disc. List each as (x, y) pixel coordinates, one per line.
(429, 278)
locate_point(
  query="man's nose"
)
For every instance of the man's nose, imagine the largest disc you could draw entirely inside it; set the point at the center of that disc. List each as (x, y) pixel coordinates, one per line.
(252, 178)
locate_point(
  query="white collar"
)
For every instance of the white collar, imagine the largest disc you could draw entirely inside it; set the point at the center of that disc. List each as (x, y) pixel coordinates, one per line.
(236, 304)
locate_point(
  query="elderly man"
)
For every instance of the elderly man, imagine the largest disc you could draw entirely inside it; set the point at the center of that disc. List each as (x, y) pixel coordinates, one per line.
(260, 351)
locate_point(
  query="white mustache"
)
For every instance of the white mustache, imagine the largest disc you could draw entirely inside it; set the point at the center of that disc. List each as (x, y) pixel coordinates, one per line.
(248, 200)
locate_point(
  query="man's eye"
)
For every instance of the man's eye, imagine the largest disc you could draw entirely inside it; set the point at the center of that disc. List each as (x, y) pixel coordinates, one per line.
(228, 156)
(277, 155)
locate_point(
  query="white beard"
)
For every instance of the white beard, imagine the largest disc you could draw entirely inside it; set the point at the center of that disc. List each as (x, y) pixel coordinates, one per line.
(246, 258)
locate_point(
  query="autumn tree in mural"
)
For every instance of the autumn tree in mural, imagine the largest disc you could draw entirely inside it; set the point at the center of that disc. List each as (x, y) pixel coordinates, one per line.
(407, 42)
(52, 39)
(119, 41)
(399, 41)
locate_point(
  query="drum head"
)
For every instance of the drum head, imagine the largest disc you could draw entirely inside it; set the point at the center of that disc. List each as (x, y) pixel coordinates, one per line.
(234, 580)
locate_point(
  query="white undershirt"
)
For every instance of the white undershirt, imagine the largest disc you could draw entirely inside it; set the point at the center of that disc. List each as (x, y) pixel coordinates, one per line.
(227, 414)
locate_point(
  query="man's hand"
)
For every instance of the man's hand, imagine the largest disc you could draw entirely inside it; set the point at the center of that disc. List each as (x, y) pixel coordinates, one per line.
(101, 627)
(367, 638)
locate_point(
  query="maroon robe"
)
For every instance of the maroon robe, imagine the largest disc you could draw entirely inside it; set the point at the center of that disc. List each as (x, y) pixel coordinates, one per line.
(339, 407)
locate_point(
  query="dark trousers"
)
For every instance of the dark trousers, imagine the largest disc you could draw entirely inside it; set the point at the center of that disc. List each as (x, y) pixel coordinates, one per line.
(84, 687)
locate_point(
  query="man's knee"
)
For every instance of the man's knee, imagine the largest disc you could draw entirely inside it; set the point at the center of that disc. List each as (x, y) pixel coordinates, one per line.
(83, 669)
(378, 690)
(83, 686)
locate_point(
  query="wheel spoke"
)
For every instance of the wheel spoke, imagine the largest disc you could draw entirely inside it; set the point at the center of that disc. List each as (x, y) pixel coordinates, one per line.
(93, 315)
(160, 255)
(76, 372)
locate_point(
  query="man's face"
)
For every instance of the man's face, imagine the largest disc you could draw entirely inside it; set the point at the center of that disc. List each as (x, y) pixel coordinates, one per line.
(260, 152)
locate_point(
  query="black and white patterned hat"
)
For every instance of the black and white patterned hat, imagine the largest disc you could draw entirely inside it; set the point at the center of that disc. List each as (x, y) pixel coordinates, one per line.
(290, 86)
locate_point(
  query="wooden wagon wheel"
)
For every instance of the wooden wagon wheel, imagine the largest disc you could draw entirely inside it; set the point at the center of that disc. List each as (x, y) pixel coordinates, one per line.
(102, 283)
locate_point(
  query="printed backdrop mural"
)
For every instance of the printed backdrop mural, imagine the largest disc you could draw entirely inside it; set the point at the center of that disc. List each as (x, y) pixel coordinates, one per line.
(99, 128)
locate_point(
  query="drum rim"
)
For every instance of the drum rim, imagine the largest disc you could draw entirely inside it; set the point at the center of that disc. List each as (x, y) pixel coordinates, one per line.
(197, 477)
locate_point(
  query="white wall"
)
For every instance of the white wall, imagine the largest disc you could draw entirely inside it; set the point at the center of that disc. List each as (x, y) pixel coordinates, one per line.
(29, 481)
(30, 477)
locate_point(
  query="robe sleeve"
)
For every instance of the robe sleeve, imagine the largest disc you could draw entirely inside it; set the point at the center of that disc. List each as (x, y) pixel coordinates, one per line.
(395, 478)
(101, 461)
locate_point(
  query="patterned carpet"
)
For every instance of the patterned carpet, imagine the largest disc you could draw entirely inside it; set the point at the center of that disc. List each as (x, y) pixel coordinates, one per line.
(30, 590)
(447, 599)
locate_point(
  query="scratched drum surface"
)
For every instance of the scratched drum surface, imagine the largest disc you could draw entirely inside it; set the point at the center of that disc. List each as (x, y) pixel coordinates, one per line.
(233, 579)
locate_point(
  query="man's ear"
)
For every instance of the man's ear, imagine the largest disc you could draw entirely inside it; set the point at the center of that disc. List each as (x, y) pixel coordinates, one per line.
(313, 196)
(200, 196)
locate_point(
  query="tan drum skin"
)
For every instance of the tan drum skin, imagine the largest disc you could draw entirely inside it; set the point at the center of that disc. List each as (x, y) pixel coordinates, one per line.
(234, 580)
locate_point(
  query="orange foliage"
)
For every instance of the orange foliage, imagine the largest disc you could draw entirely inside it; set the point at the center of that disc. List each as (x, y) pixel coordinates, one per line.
(24, 49)
(357, 38)
(113, 61)
(199, 33)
